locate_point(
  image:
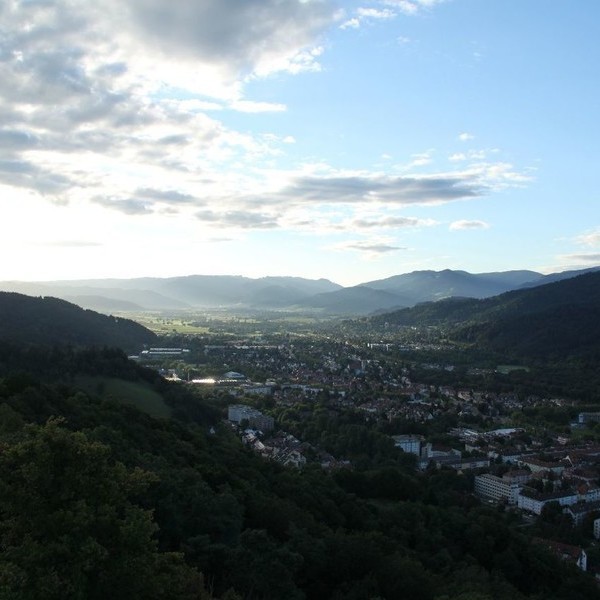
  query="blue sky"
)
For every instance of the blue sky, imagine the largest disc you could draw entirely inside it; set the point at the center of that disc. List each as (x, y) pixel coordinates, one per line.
(346, 140)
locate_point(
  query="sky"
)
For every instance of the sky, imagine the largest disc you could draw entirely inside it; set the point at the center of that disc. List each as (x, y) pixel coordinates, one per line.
(350, 140)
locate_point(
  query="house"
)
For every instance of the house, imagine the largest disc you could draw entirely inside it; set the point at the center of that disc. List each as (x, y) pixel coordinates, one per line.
(533, 501)
(578, 512)
(566, 552)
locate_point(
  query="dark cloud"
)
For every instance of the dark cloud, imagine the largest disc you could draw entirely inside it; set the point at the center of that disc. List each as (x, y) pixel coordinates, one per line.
(128, 206)
(167, 196)
(390, 190)
(25, 174)
(17, 139)
(238, 34)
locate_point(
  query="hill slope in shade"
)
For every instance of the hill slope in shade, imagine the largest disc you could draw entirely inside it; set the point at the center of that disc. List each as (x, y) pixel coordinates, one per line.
(51, 321)
(556, 319)
(355, 300)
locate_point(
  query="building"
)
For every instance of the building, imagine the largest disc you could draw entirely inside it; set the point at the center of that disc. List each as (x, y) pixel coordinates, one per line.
(474, 462)
(578, 512)
(498, 489)
(533, 501)
(588, 417)
(408, 443)
(537, 465)
(597, 529)
(162, 353)
(566, 552)
(237, 413)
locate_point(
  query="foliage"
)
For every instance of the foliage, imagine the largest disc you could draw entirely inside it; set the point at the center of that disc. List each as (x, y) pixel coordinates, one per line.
(51, 321)
(100, 500)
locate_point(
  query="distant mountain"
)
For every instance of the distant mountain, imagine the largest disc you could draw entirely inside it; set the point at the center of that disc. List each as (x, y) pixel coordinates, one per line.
(179, 293)
(50, 321)
(553, 277)
(354, 300)
(425, 286)
(553, 320)
(419, 286)
(197, 292)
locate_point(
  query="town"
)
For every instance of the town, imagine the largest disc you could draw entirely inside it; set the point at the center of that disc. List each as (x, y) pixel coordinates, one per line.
(286, 394)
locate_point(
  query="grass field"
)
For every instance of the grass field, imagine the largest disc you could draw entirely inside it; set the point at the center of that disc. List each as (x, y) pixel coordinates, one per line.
(164, 326)
(138, 394)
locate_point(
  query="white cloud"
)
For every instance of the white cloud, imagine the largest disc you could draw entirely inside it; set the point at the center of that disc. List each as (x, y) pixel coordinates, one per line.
(412, 7)
(465, 224)
(353, 23)
(590, 238)
(249, 106)
(466, 137)
(374, 13)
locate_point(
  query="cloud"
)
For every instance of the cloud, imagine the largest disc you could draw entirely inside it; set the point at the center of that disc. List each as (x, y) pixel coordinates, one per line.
(128, 206)
(591, 238)
(374, 248)
(412, 7)
(355, 188)
(471, 155)
(117, 104)
(466, 137)
(248, 106)
(167, 196)
(393, 8)
(241, 38)
(582, 258)
(464, 224)
(238, 219)
(391, 222)
(70, 244)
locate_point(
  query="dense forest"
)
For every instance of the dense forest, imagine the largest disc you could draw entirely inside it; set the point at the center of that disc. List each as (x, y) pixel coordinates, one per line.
(100, 500)
(52, 321)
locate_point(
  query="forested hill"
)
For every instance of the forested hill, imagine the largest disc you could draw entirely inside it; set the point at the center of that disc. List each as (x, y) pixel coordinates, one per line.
(50, 321)
(99, 500)
(554, 320)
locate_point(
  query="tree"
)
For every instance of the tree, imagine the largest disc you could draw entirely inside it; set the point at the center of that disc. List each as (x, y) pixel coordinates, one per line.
(68, 528)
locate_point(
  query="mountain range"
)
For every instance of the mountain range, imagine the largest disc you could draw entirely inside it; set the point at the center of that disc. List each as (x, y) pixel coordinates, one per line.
(281, 293)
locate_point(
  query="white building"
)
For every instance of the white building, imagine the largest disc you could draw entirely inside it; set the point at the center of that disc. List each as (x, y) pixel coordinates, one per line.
(237, 413)
(597, 529)
(533, 501)
(408, 443)
(496, 488)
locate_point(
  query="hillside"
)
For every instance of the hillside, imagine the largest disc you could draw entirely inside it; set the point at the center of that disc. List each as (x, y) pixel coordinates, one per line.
(552, 320)
(50, 321)
(354, 300)
(102, 500)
